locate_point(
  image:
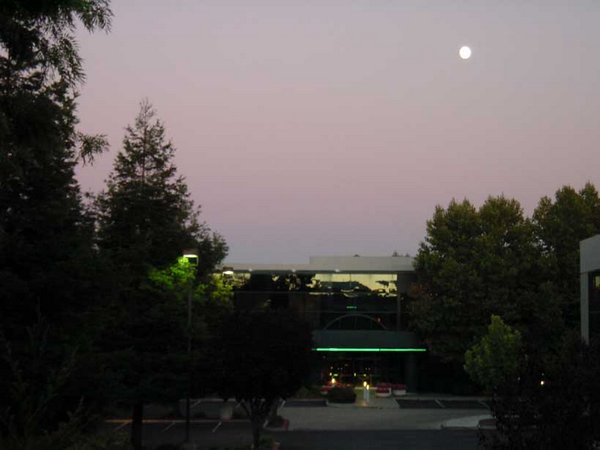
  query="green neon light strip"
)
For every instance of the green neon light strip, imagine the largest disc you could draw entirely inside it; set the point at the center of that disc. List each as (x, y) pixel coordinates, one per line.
(372, 349)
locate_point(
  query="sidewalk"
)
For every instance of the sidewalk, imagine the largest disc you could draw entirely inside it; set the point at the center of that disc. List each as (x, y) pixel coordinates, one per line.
(379, 414)
(465, 423)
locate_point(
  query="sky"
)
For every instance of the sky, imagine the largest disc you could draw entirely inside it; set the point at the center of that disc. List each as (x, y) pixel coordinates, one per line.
(334, 127)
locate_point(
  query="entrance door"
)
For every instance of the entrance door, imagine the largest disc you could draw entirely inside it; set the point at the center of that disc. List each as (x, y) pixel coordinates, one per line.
(352, 368)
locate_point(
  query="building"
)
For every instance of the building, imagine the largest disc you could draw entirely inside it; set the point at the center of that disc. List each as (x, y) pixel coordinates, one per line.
(589, 264)
(354, 306)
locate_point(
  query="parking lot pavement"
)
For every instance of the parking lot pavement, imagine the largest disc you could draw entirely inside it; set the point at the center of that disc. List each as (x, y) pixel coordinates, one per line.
(378, 440)
(205, 433)
(330, 418)
(204, 436)
(377, 425)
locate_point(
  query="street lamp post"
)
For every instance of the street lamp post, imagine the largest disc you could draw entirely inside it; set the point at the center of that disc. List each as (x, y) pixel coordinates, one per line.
(192, 256)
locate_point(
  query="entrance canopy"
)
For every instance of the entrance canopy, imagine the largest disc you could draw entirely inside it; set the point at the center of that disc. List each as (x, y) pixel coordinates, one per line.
(366, 341)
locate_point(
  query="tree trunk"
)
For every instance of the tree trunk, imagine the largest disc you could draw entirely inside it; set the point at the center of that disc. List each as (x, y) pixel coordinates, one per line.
(137, 417)
(256, 428)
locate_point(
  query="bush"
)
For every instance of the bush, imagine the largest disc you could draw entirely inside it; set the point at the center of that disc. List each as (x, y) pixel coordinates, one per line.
(308, 392)
(341, 395)
(103, 441)
(276, 422)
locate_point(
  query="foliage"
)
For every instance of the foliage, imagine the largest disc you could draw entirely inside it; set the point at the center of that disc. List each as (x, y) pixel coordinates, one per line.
(38, 36)
(261, 356)
(39, 57)
(560, 224)
(475, 263)
(211, 300)
(341, 395)
(48, 267)
(553, 403)
(112, 440)
(308, 392)
(215, 289)
(31, 419)
(496, 358)
(146, 217)
(145, 220)
(176, 277)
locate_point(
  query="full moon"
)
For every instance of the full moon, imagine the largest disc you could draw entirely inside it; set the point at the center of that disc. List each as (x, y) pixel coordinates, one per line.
(465, 52)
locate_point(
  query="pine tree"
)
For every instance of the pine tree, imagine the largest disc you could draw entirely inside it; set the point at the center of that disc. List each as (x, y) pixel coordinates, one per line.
(146, 215)
(43, 228)
(145, 220)
(48, 268)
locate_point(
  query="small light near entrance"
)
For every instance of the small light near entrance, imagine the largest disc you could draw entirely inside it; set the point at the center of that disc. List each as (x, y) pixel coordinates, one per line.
(365, 384)
(333, 381)
(541, 382)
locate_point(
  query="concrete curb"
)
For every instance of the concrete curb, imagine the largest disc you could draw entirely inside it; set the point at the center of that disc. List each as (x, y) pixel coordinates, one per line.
(464, 423)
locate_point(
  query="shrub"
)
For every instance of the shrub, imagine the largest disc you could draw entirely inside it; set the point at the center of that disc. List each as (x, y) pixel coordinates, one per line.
(102, 441)
(308, 392)
(341, 395)
(276, 422)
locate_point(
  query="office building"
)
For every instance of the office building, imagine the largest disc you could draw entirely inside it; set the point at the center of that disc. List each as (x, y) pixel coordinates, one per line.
(354, 305)
(589, 263)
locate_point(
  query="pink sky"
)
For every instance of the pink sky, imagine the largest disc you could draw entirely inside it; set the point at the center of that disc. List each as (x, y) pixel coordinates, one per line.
(335, 127)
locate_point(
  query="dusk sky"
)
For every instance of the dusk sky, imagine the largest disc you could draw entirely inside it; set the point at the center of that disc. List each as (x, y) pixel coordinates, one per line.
(335, 127)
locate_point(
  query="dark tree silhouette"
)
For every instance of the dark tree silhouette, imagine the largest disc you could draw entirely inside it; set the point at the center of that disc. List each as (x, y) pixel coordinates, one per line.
(261, 356)
(145, 220)
(49, 272)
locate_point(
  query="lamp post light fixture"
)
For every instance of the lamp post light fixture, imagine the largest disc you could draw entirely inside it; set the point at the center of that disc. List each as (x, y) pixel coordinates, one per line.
(192, 256)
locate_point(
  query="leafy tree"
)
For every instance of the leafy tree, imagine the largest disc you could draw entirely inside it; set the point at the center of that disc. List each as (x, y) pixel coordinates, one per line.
(553, 403)
(145, 220)
(211, 302)
(497, 357)
(560, 225)
(475, 263)
(36, 383)
(47, 264)
(42, 225)
(261, 356)
(39, 41)
(144, 352)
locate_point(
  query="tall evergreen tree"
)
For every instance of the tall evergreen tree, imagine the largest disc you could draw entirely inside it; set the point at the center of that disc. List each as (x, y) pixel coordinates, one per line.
(42, 224)
(146, 215)
(47, 264)
(145, 220)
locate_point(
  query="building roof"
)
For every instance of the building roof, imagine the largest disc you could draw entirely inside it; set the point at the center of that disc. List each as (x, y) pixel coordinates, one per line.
(332, 264)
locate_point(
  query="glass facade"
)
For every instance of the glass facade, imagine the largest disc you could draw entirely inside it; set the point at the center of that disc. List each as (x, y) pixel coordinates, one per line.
(332, 301)
(344, 302)
(594, 302)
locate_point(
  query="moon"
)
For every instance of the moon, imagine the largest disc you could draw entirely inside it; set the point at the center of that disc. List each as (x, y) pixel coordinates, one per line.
(465, 52)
